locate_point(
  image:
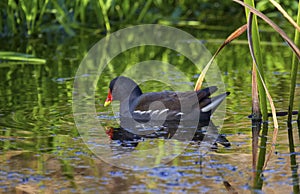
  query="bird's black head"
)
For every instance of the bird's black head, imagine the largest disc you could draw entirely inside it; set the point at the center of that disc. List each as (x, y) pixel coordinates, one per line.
(121, 88)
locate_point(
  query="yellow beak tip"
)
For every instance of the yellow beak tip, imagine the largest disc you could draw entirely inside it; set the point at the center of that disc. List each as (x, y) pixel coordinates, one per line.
(107, 103)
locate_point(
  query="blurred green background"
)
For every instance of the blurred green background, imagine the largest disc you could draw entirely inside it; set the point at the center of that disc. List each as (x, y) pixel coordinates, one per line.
(73, 17)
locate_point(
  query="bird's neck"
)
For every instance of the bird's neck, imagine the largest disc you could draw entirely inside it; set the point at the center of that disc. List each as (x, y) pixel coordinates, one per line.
(136, 92)
(127, 104)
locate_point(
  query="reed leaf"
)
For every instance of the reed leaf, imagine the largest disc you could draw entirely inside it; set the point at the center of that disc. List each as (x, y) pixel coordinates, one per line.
(273, 25)
(285, 14)
(258, 55)
(230, 38)
(274, 138)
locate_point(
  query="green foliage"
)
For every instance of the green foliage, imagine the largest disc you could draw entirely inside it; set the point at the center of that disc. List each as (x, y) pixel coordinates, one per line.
(290, 6)
(14, 56)
(22, 17)
(71, 16)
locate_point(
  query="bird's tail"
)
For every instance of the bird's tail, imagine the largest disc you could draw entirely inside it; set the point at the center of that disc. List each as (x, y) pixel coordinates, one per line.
(215, 102)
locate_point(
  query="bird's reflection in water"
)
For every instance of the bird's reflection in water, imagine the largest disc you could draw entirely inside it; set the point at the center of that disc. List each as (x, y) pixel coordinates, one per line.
(207, 134)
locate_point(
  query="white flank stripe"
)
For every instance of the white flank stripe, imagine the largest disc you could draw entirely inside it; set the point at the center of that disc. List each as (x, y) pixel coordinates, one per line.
(213, 104)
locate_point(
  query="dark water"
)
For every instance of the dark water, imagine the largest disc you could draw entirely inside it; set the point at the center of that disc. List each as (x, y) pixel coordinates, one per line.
(41, 149)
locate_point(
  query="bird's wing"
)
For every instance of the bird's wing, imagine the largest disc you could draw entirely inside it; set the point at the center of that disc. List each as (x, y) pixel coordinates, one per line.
(173, 101)
(172, 105)
(157, 101)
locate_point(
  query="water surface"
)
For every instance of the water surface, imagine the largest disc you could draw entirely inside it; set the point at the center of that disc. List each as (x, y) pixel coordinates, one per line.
(41, 149)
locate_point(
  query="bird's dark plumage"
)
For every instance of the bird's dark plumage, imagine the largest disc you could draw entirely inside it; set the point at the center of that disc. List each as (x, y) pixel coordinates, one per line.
(168, 105)
(143, 114)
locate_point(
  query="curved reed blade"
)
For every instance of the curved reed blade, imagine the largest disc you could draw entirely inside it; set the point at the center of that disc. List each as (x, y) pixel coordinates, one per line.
(285, 14)
(273, 25)
(230, 38)
(273, 109)
(237, 33)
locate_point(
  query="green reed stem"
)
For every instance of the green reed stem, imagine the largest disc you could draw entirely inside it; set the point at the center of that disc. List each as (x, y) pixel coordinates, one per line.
(293, 160)
(258, 181)
(62, 18)
(41, 13)
(144, 10)
(12, 13)
(104, 9)
(295, 63)
(30, 9)
(258, 55)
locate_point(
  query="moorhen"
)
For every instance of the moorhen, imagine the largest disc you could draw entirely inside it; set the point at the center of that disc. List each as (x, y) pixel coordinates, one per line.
(145, 113)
